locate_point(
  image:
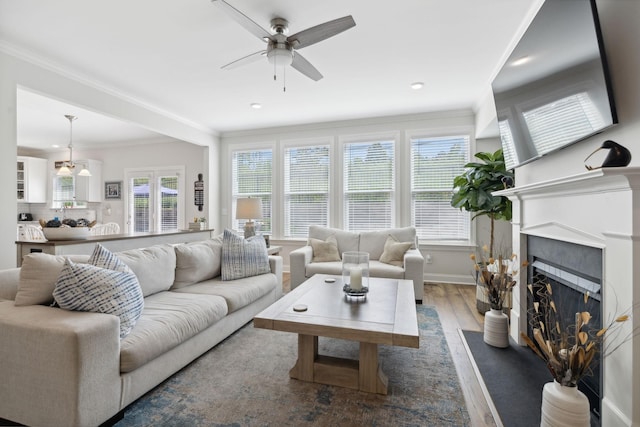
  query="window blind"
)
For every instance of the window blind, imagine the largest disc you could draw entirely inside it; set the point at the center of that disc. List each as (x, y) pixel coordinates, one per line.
(508, 147)
(369, 176)
(251, 177)
(306, 189)
(168, 203)
(434, 164)
(140, 203)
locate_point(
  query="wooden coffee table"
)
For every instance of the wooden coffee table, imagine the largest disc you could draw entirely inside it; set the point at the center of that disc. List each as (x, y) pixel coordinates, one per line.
(386, 316)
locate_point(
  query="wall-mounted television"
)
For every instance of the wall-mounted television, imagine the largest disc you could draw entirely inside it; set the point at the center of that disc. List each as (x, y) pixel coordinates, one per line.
(554, 89)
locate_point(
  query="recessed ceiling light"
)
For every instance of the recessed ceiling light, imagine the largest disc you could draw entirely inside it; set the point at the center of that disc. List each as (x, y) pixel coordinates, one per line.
(417, 85)
(521, 61)
(256, 105)
(55, 146)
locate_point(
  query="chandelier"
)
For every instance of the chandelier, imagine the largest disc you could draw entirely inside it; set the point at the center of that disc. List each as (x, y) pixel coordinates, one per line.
(68, 167)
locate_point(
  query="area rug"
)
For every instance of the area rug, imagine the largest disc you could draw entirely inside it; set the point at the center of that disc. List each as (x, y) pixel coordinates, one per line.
(244, 381)
(509, 372)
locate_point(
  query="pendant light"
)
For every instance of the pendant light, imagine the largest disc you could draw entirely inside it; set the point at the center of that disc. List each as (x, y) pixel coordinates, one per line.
(67, 167)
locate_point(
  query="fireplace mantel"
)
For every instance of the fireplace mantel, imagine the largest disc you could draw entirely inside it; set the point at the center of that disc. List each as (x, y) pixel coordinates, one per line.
(599, 208)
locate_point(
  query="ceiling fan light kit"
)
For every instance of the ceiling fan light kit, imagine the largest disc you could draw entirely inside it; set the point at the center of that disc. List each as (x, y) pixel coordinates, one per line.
(282, 50)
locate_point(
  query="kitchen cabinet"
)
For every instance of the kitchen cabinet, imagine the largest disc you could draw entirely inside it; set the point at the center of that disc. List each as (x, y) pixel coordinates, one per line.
(89, 188)
(31, 180)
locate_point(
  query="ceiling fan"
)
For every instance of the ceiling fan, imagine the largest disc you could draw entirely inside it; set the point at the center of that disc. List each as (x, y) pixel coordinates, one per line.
(281, 48)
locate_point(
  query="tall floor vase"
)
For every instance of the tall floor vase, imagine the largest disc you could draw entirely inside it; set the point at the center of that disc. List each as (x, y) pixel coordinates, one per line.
(564, 406)
(496, 328)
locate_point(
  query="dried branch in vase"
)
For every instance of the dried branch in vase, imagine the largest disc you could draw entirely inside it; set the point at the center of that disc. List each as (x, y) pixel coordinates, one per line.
(496, 276)
(568, 346)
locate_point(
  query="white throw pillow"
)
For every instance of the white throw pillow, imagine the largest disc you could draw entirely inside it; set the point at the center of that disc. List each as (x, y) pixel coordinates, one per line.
(325, 250)
(85, 287)
(394, 251)
(243, 257)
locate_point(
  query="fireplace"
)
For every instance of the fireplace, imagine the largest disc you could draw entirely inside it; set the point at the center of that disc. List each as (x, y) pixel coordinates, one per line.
(572, 270)
(600, 210)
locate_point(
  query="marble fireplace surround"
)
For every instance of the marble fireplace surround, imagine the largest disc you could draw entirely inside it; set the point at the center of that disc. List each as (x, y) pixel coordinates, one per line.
(600, 209)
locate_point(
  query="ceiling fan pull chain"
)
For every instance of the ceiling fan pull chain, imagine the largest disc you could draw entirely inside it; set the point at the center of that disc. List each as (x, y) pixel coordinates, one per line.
(275, 60)
(284, 79)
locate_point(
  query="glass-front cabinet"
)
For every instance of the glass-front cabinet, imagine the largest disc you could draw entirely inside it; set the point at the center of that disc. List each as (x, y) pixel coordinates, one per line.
(31, 180)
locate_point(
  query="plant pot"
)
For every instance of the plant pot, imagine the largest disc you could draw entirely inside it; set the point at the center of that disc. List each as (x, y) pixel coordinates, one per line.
(564, 406)
(496, 328)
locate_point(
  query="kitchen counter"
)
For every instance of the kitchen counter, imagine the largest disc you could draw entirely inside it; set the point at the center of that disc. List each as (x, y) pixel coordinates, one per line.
(113, 242)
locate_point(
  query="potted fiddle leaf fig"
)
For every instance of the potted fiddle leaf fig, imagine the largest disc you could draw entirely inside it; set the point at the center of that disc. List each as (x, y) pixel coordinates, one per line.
(473, 192)
(473, 189)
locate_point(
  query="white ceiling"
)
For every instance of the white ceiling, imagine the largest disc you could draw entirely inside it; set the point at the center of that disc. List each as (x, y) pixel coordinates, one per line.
(168, 54)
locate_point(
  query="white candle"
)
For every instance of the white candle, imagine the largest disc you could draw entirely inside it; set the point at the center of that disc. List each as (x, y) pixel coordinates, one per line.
(355, 277)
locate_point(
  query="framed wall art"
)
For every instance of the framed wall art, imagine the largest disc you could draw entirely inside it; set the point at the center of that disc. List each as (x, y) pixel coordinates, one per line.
(113, 190)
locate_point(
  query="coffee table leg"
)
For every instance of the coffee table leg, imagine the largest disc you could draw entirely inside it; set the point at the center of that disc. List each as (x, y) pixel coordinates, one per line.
(307, 354)
(372, 379)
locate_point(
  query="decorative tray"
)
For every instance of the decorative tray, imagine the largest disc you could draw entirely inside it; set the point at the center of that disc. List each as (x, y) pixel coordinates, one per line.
(355, 292)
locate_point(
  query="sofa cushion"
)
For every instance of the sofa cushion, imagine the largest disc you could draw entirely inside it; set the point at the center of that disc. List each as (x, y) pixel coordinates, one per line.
(85, 287)
(347, 240)
(388, 271)
(168, 319)
(325, 250)
(394, 251)
(373, 241)
(237, 293)
(38, 276)
(197, 261)
(154, 266)
(243, 257)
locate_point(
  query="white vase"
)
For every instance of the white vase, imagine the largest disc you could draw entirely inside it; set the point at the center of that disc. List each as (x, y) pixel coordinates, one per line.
(496, 328)
(564, 406)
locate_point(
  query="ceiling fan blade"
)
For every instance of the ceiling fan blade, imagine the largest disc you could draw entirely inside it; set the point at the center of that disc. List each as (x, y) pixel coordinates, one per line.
(256, 56)
(243, 20)
(305, 67)
(320, 32)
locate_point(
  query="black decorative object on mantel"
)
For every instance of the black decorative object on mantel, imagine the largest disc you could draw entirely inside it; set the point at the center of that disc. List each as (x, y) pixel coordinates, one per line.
(619, 156)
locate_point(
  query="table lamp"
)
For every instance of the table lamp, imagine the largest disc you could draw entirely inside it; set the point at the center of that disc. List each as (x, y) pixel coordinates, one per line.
(249, 208)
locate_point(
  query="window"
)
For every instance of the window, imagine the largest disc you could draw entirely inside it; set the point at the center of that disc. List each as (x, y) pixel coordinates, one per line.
(434, 164)
(64, 189)
(369, 176)
(306, 189)
(154, 200)
(251, 177)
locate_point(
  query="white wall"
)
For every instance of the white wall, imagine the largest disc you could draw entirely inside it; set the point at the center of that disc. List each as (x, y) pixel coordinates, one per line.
(48, 81)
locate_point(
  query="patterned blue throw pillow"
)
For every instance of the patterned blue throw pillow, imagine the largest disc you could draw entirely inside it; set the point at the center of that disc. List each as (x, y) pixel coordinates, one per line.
(243, 257)
(86, 287)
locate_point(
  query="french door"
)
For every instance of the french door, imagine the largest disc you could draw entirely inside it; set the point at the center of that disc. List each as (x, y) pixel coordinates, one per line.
(155, 199)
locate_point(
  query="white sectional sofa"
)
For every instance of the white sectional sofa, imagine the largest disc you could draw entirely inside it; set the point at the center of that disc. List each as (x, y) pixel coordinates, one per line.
(71, 368)
(410, 266)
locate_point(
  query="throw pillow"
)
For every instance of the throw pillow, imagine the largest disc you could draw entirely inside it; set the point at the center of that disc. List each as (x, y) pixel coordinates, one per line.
(394, 251)
(243, 257)
(85, 287)
(325, 250)
(104, 258)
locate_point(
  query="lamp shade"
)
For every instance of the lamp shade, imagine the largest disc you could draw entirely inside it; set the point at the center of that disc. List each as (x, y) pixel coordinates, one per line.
(249, 208)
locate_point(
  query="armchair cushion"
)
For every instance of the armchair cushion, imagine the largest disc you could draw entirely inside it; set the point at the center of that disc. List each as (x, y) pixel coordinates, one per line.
(394, 251)
(325, 250)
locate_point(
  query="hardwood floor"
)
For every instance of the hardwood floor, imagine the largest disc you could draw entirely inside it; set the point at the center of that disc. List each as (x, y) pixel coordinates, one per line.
(456, 306)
